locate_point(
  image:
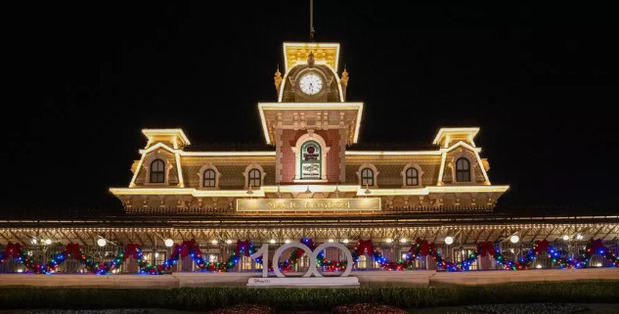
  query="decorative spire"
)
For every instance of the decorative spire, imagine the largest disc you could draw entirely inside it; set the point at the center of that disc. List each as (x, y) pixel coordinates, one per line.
(310, 59)
(311, 17)
(277, 79)
(344, 81)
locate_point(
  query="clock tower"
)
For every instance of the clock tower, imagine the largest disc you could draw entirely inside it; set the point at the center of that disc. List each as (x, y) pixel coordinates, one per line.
(311, 123)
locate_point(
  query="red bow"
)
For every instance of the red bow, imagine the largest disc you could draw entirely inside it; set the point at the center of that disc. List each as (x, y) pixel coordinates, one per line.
(425, 247)
(364, 246)
(12, 249)
(242, 246)
(132, 249)
(597, 245)
(74, 249)
(183, 248)
(541, 246)
(486, 248)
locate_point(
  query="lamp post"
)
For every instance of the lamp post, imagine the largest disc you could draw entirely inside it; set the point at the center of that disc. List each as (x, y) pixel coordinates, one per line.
(449, 240)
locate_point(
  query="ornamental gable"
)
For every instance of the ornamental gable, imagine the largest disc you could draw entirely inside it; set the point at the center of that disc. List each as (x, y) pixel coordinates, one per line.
(469, 161)
(170, 169)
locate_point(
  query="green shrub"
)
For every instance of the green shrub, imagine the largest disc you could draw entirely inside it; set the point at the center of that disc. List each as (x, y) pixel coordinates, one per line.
(308, 299)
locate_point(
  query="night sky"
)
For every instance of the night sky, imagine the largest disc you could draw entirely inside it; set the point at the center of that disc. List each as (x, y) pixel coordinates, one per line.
(85, 78)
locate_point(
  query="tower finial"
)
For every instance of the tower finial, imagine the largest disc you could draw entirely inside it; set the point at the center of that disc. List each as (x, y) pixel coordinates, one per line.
(310, 59)
(277, 79)
(344, 81)
(312, 30)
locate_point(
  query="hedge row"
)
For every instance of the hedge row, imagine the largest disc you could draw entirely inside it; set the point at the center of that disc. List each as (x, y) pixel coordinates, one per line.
(308, 299)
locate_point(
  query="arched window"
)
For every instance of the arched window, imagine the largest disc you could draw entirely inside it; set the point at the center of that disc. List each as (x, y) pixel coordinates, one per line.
(412, 177)
(254, 178)
(463, 170)
(157, 171)
(209, 178)
(310, 160)
(367, 177)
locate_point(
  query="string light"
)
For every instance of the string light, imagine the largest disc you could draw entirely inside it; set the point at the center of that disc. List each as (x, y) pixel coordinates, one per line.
(422, 248)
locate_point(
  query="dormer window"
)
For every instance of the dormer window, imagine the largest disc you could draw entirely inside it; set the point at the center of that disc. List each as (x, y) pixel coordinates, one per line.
(412, 177)
(157, 171)
(463, 170)
(209, 178)
(367, 177)
(254, 178)
(368, 174)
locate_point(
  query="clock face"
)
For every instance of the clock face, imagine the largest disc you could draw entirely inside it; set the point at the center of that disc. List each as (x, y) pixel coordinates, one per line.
(310, 83)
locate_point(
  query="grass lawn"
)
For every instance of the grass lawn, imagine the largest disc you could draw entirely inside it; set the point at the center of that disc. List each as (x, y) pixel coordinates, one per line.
(287, 299)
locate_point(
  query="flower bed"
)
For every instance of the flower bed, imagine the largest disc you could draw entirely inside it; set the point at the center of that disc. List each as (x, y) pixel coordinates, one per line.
(366, 308)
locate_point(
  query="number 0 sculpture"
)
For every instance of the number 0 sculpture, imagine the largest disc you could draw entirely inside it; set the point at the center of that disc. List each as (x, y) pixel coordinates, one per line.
(313, 267)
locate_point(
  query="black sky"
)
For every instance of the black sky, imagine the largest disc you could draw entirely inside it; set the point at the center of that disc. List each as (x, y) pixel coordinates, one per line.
(85, 78)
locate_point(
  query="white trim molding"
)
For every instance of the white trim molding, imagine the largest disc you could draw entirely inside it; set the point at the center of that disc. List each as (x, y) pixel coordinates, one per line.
(260, 192)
